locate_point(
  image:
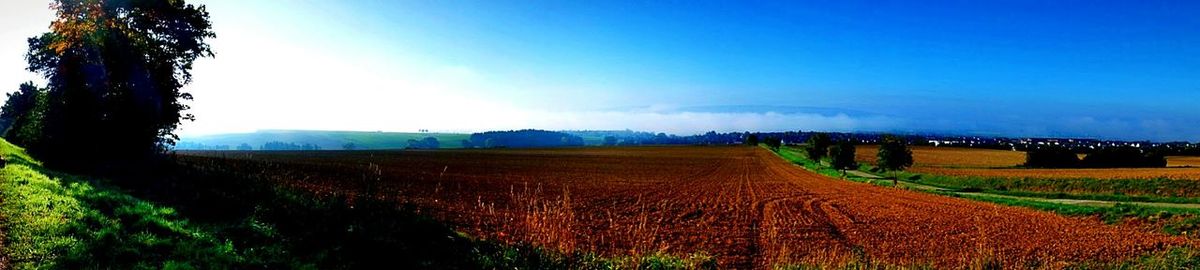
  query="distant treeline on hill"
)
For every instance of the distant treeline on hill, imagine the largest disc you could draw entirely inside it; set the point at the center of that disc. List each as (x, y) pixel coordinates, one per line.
(201, 146)
(288, 146)
(521, 139)
(426, 143)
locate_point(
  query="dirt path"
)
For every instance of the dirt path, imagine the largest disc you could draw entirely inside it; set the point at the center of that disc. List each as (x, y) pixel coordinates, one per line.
(864, 174)
(743, 205)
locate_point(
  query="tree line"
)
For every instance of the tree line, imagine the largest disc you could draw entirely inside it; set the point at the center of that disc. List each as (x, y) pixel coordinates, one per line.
(285, 146)
(526, 138)
(894, 153)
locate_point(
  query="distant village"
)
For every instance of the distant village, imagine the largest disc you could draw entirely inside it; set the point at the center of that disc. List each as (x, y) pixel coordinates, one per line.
(1080, 145)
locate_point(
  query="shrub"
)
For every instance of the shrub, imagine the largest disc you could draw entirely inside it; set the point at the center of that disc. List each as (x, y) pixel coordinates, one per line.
(1051, 157)
(1123, 157)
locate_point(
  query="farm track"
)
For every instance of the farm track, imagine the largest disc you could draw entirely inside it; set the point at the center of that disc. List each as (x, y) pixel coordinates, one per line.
(743, 205)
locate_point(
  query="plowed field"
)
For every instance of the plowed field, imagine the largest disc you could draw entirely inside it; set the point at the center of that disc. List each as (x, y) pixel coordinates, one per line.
(743, 205)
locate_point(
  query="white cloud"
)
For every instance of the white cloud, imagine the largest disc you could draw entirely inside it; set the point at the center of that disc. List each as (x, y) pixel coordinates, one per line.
(20, 20)
(698, 122)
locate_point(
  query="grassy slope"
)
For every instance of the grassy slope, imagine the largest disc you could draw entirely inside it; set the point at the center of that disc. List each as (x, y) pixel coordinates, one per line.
(331, 140)
(60, 221)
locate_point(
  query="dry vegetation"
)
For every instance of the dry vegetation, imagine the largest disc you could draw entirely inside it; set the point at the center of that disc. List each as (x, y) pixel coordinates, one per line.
(743, 205)
(929, 156)
(953, 161)
(1183, 161)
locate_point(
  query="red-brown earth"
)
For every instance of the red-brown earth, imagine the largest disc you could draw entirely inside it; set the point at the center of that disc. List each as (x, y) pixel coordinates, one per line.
(743, 205)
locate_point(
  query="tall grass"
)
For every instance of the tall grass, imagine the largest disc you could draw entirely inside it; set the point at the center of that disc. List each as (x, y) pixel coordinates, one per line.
(548, 223)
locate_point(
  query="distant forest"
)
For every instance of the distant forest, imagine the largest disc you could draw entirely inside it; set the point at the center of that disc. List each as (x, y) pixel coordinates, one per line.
(528, 138)
(628, 137)
(288, 146)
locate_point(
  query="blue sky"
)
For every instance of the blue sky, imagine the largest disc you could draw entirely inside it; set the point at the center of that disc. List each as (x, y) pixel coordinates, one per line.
(1102, 69)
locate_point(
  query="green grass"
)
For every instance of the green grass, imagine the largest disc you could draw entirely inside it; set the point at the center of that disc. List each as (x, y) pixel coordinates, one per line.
(1110, 214)
(400, 140)
(61, 221)
(1093, 197)
(528, 257)
(797, 156)
(1176, 258)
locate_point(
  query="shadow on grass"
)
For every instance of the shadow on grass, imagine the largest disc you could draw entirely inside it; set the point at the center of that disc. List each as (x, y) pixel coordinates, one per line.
(86, 224)
(56, 220)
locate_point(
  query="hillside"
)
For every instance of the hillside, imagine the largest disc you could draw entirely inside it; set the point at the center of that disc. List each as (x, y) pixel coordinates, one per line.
(55, 220)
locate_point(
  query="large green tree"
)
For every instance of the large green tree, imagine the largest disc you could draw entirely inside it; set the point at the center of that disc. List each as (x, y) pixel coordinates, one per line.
(751, 139)
(21, 115)
(842, 156)
(894, 155)
(115, 71)
(774, 143)
(817, 146)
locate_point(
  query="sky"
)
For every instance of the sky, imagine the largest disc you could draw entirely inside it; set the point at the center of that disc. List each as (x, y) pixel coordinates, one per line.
(1097, 69)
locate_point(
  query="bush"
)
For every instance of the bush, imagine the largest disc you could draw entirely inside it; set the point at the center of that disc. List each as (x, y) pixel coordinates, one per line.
(774, 143)
(817, 146)
(1051, 157)
(842, 155)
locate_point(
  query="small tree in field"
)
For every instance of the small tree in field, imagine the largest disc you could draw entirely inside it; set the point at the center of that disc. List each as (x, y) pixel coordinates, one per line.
(894, 156)
(817, 146)
(751, 139)
(842, 154)
(773, 143)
